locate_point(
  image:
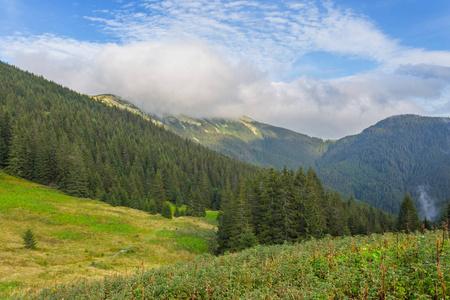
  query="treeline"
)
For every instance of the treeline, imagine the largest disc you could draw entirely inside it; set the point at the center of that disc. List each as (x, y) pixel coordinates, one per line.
(287, 206)
(54, 136)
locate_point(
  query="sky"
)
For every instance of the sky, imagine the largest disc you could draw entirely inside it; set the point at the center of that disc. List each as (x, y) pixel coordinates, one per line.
(323, 68)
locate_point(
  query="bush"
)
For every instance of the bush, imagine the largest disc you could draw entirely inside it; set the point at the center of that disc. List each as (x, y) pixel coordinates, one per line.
(29, 239)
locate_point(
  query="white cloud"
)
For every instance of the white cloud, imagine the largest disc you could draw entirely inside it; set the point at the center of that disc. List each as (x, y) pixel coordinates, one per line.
(211, 58)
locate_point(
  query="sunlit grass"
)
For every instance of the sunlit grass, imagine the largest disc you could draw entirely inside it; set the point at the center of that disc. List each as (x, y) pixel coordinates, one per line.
(84, 239)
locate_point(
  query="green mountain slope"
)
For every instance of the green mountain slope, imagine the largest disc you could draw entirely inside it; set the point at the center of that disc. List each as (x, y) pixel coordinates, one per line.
(54, 136)
(79, 238)
(251, 141)
(399, 154)
(378, 166)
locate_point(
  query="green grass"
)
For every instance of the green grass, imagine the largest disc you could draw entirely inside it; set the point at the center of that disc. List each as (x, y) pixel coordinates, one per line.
(211, 215)
(197, 241)
(81, 239)
(389, 266)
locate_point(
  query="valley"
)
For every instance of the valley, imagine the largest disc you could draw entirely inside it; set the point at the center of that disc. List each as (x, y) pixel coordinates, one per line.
(406, 153)
(91, 178)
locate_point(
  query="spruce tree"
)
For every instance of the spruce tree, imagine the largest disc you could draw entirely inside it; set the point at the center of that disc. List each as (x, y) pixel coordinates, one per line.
(166, 211)
(272, 224)
(247, 239)
(446, 213)
(5, 137)
(176, 213)
(198, 205)
(29, 239)
(159, 193)
(241, 218)
(226, 220)
(153, 209)
(408, 215)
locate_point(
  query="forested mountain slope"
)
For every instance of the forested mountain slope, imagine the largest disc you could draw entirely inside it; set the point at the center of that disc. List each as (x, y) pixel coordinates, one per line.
(400, 154)
(54, 136)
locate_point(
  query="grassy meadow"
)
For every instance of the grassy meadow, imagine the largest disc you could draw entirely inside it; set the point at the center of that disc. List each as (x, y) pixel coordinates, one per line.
(379, 266)
(81, 239)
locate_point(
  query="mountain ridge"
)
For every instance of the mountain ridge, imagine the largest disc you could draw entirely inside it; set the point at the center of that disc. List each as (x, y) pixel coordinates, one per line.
(399, 154)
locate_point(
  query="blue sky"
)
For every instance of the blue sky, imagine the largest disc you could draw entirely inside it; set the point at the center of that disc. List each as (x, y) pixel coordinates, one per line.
(324, 68)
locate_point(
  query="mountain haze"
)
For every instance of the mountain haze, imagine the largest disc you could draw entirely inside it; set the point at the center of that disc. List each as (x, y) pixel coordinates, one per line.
(406, 153)
(110, 149)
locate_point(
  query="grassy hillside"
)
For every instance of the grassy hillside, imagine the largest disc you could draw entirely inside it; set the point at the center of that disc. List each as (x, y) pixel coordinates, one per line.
(389, 266)
(251, 141)
(85, 239)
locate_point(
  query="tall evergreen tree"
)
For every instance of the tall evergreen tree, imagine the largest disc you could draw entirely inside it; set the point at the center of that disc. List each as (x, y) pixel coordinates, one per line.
(153, 209)
(159, 193)
(272, 223)
(225, 220)
(5, 137)
(198, 205)
(74, 177)
(446, 213)
(408, 215)
(241, 218)
(166, 211)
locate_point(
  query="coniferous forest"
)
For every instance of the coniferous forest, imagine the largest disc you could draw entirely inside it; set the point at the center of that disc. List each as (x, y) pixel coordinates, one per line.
(277, 207)
(56, 137)
(85, 148)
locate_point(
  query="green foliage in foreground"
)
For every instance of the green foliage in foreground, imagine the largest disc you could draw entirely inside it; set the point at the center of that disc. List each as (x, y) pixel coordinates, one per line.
(388, 266)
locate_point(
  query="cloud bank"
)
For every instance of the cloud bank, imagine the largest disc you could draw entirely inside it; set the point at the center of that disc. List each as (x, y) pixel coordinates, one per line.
(227, 59)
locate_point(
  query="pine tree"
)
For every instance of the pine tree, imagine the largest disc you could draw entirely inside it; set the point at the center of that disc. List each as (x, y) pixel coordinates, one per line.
(446, 213)
(247, 239)
(176, 213)
(5, 137)
(241, 218)
(153, 209)
(17, 161)
(190, 203)
(272, 223)
(290, 216)
(408, 215)
(225, 220)
(159, 193)
(166, 211)
(74, 179)
(198, 205)
(29, 239)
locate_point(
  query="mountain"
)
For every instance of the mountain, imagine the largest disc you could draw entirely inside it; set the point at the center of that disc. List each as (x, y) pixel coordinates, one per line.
(251, 141)
(401, 154)
(86, 148)
(110, 150)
